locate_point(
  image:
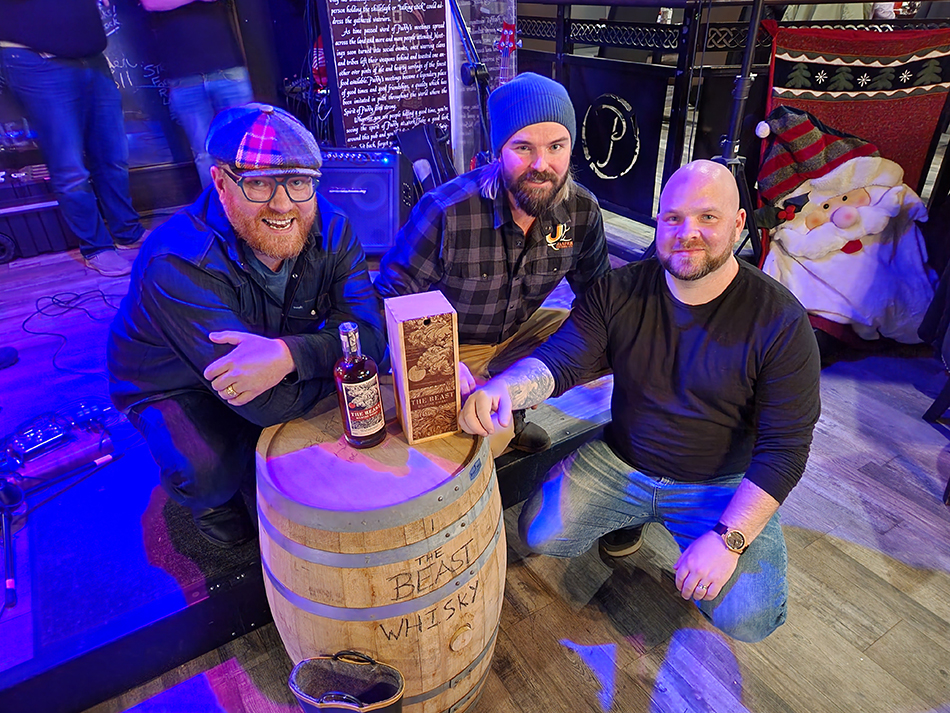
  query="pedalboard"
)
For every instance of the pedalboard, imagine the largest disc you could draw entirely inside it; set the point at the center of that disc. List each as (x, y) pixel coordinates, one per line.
(38, 437)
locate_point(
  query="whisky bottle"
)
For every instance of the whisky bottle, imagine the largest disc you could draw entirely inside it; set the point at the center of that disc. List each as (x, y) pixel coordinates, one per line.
(357, 386)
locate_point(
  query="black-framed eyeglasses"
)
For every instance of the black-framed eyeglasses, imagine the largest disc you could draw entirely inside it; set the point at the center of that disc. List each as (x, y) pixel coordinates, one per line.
(262, 189)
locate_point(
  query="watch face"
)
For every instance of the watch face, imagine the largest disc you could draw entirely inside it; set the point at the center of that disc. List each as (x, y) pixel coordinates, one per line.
(735, 540)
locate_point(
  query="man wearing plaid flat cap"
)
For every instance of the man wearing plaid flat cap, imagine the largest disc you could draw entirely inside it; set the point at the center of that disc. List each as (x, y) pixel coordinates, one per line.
(230, 324)
(496, 241)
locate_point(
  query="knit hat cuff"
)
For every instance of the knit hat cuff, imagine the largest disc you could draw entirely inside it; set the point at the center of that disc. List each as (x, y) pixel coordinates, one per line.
(528, 99)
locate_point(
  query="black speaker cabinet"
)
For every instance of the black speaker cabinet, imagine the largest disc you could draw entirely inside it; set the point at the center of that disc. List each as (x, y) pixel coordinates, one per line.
(374, 187)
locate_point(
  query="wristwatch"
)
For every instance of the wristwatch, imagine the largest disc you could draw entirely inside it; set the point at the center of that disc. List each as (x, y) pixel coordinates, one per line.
(734, 540)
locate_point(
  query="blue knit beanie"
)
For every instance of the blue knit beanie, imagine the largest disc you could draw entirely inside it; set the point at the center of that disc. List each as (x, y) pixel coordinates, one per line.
(528, 99)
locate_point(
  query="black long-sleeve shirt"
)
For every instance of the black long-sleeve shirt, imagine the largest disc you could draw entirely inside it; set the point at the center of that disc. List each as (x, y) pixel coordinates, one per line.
(195, 39)
(65, 28)
(730, 386)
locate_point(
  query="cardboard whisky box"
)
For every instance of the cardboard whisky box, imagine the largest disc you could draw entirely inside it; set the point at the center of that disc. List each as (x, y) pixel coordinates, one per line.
(424, 348)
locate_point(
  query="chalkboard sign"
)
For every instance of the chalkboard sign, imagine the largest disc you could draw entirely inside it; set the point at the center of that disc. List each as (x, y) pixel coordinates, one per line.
(154, 138)
(387, 67)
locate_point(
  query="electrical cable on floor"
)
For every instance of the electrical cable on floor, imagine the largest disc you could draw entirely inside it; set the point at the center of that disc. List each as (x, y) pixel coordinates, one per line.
(61, 304)
(49, 454)
(80, 474)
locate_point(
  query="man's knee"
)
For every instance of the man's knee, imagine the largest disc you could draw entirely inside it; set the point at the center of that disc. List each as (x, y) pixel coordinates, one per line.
(540, 527)
(70, 175)
(200, 482)
(755, 603)
(526, 530)
(751, 625)
(203, 450)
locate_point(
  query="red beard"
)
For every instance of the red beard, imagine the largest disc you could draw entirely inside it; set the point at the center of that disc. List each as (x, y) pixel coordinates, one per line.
(277, 245)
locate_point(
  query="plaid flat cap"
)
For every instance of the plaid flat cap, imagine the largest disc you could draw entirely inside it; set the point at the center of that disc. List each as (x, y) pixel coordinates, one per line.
(262, 140)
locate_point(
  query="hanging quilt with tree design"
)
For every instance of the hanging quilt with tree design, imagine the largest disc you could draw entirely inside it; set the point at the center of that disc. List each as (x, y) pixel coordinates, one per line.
(886, 87)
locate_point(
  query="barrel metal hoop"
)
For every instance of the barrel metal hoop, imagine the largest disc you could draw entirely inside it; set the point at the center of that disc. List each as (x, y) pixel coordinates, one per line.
(387, 611)
(381, 518)
(473, 693)
(360, 560)
(457, 679)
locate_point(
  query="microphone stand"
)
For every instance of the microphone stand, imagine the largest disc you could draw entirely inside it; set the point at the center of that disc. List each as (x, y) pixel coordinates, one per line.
(730, 157)
(11, 495)
(474, 72)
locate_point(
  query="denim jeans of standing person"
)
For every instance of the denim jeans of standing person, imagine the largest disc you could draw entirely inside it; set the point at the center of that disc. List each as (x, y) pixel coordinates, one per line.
(75, 109)
(593, 492)
(196, 99)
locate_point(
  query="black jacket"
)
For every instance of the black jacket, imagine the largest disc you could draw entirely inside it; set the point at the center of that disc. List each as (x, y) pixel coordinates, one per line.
(191, 278)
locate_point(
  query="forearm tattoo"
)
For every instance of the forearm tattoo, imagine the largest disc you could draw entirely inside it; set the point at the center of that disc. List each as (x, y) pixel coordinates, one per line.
(529, 383)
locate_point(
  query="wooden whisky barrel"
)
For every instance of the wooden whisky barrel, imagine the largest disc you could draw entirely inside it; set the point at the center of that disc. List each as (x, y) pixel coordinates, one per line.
(396, 551)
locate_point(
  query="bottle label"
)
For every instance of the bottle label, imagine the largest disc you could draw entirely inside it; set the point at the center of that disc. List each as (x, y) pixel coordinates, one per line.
(364, 409)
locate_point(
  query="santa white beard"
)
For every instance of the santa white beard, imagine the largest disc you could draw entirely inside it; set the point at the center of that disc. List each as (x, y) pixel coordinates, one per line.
(881, 287)
(798, 241)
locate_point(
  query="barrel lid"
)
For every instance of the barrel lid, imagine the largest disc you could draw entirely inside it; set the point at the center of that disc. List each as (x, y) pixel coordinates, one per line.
(308, 461)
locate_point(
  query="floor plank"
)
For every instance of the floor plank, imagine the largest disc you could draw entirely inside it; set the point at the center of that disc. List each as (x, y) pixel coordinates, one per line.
(815, 669)
(909, 653)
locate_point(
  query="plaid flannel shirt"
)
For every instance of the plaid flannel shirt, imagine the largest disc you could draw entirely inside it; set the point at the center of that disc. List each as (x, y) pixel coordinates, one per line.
(470, 249)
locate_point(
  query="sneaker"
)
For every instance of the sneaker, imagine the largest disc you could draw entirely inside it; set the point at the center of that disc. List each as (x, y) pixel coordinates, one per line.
(108, 263)
(529, 437)
(227, 525)
(135, 244)
(621, 543)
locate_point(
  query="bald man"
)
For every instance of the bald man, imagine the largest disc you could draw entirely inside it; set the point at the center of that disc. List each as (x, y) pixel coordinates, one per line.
(714, 403)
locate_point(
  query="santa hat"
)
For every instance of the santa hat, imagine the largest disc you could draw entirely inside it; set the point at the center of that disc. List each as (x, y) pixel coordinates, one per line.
(801, 148)
(861, 172)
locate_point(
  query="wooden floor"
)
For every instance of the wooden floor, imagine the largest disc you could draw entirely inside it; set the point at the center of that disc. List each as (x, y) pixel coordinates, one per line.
(869, 568)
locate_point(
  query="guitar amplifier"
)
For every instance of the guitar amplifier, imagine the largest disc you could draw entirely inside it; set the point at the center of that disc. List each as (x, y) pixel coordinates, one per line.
(374, 187)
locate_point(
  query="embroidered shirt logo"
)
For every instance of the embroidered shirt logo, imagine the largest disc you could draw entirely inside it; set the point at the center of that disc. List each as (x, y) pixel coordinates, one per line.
(558, 238)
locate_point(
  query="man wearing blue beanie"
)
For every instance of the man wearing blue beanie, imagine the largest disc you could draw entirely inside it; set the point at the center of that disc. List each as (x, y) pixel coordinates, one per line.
(497, 240)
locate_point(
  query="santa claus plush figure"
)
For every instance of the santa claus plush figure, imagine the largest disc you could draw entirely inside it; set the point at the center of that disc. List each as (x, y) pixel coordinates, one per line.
(843, 228)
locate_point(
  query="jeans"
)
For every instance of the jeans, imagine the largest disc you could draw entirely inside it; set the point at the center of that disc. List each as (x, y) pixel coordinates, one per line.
(204, 450)
(76, 110)
(593, 492)
(196, 99)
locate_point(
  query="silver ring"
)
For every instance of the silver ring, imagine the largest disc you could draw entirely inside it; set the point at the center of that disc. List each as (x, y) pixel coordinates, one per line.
(230, 390)
(702, 586)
